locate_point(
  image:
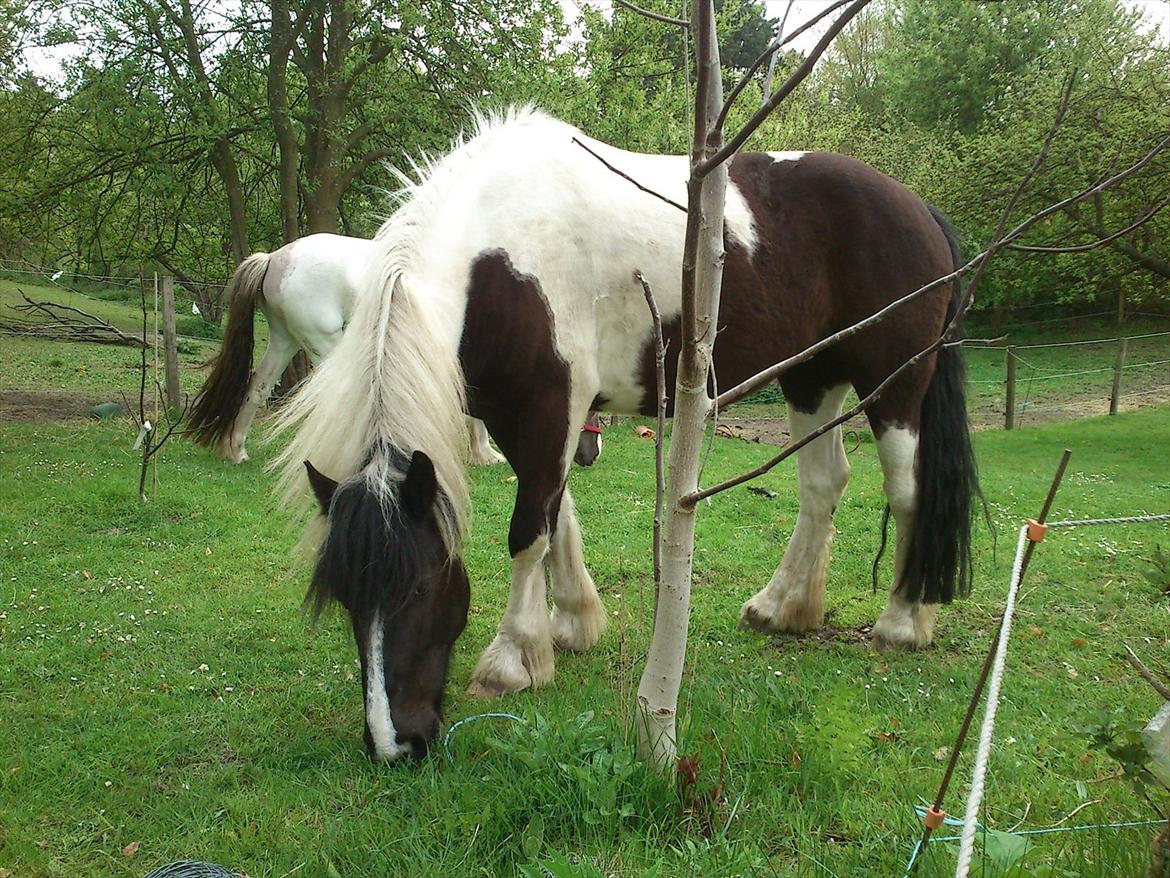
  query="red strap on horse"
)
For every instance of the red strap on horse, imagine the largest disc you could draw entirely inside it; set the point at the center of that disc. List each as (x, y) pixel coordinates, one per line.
(589, 428)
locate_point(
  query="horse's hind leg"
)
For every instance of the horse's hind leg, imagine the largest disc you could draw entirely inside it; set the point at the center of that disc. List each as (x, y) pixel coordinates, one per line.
(277, 356)
(794, 600)
(578, 617)
(904, 624)
(482, 453)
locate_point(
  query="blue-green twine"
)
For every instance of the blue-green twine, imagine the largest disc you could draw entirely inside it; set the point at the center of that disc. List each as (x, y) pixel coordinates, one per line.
(1052, 829)
(474, 718)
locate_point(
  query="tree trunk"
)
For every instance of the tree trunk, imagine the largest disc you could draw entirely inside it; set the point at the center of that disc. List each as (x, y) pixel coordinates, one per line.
(657, 702)
(280, 46)
(323, 204)
(225, 165)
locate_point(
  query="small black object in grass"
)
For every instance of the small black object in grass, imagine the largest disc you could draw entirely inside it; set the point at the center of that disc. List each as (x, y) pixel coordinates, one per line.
(192, 869)
(763, 492)
(105, 410)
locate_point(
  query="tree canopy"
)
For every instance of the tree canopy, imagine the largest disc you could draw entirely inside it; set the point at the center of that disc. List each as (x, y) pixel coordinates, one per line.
(185, 133)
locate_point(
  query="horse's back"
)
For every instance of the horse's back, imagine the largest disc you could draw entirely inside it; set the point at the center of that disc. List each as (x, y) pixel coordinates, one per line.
(837, 240)
(815, 242)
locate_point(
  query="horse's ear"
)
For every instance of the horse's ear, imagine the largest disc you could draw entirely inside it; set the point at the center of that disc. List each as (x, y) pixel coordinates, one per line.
(420, 486)
(323, 487)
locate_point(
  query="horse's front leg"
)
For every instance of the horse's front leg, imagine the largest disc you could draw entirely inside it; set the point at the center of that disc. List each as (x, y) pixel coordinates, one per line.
(521, 655)
(578, 616)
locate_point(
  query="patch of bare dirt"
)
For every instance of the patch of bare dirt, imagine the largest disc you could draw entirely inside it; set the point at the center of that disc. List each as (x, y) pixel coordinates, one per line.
(858, 636)
(24, 405)
(774, 431)
(768, 431)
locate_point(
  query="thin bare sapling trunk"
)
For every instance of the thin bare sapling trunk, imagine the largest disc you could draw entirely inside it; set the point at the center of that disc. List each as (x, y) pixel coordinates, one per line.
(702, 276)
(660, 436)
(149, 440)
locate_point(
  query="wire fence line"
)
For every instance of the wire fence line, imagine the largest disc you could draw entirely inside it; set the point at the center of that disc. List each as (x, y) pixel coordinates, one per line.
(1079, 396)
(1097, 371)
(986, 402)
(185, 300)
(1066, 344)
(10, 266)
(151, 282)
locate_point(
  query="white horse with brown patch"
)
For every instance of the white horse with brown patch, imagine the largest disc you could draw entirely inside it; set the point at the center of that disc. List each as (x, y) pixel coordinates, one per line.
(504, 284)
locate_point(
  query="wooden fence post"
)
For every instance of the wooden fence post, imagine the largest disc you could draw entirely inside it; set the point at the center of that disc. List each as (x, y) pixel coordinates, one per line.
(1115, 396)
(1009, 406)
(171, 342)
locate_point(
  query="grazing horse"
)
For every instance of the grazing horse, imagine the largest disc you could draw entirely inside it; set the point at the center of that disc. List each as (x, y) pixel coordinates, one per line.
(505, 283)
(307, 290)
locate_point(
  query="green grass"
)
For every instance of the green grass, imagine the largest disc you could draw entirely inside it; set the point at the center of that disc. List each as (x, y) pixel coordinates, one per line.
(99, 372)
(159, 684)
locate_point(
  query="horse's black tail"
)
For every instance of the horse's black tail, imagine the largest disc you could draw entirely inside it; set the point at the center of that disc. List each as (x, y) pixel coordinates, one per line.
(219, 400)
(938, 562)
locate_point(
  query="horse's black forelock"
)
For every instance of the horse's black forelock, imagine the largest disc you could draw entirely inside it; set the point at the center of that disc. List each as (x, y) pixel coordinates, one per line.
(373, 555)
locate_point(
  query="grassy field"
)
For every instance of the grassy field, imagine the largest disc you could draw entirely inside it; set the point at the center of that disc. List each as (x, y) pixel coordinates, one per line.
(162, 697)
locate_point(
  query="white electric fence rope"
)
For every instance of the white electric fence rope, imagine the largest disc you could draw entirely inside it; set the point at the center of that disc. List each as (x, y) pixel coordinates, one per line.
(1089, 522)
(979, 775)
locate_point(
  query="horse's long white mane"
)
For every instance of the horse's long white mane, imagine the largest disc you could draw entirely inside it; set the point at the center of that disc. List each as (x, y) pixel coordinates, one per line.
(394, 380)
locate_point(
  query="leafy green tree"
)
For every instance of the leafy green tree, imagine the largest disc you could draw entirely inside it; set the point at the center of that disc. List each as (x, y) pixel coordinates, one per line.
(947, 62)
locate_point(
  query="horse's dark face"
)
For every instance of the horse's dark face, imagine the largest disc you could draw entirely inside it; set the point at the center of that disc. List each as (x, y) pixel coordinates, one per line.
(589, 442)
(406, 596)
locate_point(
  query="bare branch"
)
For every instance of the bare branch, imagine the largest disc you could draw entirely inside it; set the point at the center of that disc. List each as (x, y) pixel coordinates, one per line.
(626, 176)
(1100, 242)
(1147, 675)
(768, 53)
(1101, 186)
(775, 53)
(659, 466)
(656, 16)
(59, 325)
(692, 499)
(979, 263)
(772, 372)
(795, 78)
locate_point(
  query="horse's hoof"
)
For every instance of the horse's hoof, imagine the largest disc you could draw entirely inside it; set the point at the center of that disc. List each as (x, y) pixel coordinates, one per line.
(878, 643)
(577, 632)
(232, 455)
(752, 619)
(882, 643)
(488, 458)
(487, 689)
(506, 667)
(904, 627)
(791, 617)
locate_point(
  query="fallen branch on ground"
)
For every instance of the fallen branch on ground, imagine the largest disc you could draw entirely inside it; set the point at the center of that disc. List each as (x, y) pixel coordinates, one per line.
(54, 321)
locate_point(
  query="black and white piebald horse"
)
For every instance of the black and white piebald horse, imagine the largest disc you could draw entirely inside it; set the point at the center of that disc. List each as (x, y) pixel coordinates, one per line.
(505, 284)
(307, 291)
